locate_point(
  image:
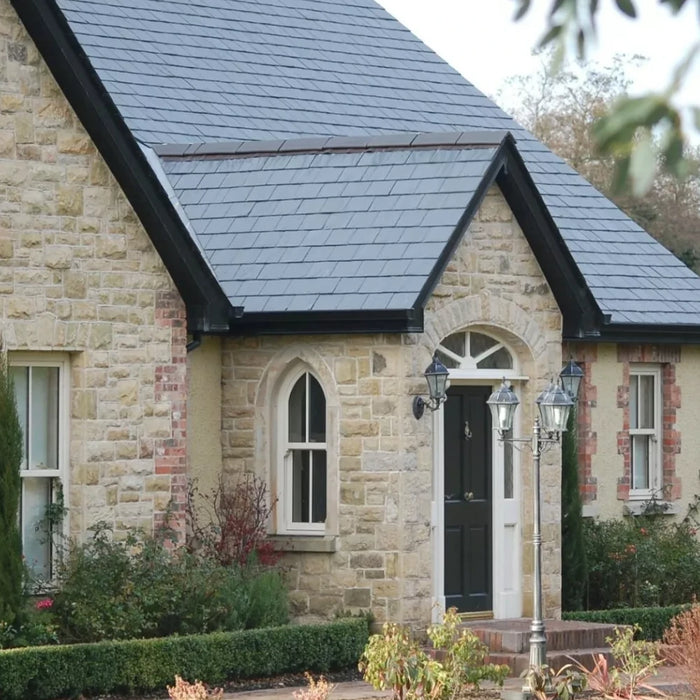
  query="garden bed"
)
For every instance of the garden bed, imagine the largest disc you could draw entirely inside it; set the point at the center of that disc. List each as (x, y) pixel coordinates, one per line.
(148, 665)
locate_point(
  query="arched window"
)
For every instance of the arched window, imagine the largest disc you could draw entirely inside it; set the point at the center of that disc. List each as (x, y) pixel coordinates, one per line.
(304, 457)
(473, 350)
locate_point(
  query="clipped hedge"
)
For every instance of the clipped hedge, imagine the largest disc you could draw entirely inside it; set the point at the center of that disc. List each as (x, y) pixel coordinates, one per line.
(145, 665)
(652, 621)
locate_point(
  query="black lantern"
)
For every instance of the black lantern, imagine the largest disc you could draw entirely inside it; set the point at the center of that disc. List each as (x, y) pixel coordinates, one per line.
(571, 376)
(436, 376)
(554, 404)
(503, 403)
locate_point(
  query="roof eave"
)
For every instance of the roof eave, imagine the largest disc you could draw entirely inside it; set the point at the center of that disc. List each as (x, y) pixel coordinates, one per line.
(644, 333)
(208, 309)
(328, 322)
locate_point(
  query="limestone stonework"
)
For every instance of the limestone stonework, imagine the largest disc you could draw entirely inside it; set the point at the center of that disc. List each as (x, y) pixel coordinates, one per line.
(79, 275)
(378, 546)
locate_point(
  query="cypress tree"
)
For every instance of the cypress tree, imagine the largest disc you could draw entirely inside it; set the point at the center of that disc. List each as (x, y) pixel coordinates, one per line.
(11, 568)
(573, 553)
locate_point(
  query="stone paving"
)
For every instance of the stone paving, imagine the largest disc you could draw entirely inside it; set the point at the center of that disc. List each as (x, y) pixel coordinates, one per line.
(669, 680)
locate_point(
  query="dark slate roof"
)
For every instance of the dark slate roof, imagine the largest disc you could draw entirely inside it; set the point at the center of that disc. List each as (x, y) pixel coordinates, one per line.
(183, 71)
(327, 231)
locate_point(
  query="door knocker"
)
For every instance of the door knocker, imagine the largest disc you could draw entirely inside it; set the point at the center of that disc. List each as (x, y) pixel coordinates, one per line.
(467, 431)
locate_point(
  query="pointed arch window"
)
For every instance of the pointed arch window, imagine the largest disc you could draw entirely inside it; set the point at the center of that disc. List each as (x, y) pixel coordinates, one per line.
(473, 350)
(304, 458)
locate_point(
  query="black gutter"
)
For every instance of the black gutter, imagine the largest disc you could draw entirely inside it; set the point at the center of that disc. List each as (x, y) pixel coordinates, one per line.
(208, 309)
(329, 322)
(644, 334)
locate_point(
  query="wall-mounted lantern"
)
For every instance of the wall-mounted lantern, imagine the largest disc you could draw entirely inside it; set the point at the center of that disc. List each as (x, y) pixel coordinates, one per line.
(436, 376)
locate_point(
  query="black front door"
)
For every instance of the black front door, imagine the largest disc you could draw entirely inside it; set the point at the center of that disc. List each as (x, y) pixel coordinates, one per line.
(468, 520)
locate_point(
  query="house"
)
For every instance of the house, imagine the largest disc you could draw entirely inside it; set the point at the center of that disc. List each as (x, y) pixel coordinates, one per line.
(235, 233)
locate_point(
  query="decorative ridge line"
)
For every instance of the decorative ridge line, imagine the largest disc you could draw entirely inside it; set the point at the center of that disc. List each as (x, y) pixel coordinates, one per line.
(323, 144)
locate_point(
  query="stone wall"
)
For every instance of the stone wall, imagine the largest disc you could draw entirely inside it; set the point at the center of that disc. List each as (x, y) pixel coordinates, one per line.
(79, 275)
(378, 550)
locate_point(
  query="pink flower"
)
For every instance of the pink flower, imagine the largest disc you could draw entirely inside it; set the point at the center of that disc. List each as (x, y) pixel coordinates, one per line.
(44, 604)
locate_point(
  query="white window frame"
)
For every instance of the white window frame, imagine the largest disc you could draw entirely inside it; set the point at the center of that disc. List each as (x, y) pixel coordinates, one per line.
(61, 361)
(655, 436)
(285, 475)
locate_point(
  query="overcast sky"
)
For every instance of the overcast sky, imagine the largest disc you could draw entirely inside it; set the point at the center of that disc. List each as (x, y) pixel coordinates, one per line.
(480, 39)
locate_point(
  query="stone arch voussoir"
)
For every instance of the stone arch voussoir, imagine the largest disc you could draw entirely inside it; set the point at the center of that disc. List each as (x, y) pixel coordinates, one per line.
(495, 315)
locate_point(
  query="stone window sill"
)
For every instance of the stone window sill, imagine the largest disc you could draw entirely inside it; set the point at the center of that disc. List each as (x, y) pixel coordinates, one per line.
(638, 507)
(303, 543)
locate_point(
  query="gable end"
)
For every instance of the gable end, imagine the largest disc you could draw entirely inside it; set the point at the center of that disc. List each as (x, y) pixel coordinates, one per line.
(207, 307)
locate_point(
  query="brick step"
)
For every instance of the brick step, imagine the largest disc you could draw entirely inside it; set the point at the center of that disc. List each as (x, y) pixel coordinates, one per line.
(519, 663)
(513, 636)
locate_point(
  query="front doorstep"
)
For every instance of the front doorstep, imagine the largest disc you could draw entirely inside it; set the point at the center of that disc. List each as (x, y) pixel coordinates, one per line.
(567, 640)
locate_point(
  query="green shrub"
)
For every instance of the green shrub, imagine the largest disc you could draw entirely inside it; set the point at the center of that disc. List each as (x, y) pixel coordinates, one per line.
(652, 622)
(11, 567)
(139, 589)
(573, 551)
(145, 665)
(642, 561)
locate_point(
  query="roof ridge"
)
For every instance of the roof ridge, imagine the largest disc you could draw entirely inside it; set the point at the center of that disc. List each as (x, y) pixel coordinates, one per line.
(321, 144)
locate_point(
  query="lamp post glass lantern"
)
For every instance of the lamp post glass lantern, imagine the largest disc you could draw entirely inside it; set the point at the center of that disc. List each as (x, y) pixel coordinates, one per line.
(571, 376)
(553, 404)
(436, 377)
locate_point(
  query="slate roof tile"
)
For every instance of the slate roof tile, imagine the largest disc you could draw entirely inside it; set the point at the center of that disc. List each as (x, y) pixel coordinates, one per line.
(242, 70)
(358, 244)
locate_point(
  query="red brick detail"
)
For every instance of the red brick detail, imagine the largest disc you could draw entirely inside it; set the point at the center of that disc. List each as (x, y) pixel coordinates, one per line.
(170, 453)
(667, 356)
(657, 354)
(671, 437)
(587, 440)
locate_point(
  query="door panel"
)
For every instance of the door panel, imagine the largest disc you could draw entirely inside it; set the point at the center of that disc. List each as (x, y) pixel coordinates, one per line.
(468, 505)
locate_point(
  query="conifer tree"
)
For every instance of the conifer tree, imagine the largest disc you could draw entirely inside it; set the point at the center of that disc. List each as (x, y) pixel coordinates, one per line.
(10, 461)
(573, 553)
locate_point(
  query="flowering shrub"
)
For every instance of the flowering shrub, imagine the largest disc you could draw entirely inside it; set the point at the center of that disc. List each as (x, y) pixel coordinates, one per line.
(34, 626)
(643, 561)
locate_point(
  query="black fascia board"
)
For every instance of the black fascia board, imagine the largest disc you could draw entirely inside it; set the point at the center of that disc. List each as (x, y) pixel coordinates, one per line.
(646, 333)
(580, 311)
(328, 322)
(208, 309)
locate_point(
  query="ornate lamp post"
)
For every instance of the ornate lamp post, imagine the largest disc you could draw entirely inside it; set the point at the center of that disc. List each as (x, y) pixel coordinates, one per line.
(554, 404)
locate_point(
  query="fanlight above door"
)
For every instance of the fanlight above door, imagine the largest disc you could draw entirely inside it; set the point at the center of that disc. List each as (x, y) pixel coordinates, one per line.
(470, 350)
